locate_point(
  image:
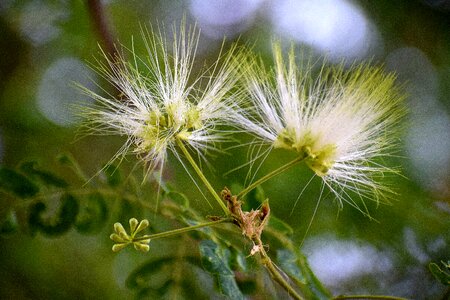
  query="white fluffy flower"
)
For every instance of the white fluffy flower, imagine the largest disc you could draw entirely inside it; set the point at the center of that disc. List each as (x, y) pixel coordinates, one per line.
(340, 123)
(161, 103)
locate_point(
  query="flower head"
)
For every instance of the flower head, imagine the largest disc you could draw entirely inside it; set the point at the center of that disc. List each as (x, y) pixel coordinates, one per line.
(339, 123)
(160, 100)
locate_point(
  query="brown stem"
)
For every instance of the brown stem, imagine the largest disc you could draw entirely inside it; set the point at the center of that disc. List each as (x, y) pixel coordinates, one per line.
(252, 224)
(102, 26)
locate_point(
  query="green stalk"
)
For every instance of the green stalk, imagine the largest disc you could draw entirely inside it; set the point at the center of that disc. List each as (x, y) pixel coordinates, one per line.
(267, 262)
(202, 176)
(180, 230)
(269, 175)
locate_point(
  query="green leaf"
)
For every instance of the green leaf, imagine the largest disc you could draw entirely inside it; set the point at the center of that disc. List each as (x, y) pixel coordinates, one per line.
(215, 261)
(127, 211)
(93, 214)
(65, 159)
(179, 290)
(238, 260)
(164, 186)
(68, 160)
(169, 192)
(280, 226)
(113, 175)
(248, 286)
(57, 224)
(254, 198)
(288, 262)
(179, 198)
(439, 274)
(229, 287)
(296, 266)
(17, 184)
(148, 293)
(151, 280)
(31, 169)
(235, 188)
(141, 277)
(9, 225)
(176, 290)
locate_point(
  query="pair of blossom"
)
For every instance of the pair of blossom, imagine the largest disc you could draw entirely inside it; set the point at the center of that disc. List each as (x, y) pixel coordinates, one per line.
(338, 121)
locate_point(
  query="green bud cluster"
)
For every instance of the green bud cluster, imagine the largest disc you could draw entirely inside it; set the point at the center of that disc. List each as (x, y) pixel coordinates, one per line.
(123, 239)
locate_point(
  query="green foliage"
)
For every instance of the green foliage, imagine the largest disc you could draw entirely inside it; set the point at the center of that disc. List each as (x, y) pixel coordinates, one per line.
(9, 225)
(112, 174)
(288, 262)
(57, 224)
(126, 210)
(52, 205)
(93, 214)
(295, 265)
(36, 34)
(238, 260)
(443, 275)
(146, 279)
(47, 178)
(170, 193)
(216, 261)
(280, 226)
(17, 184)
(254, 198)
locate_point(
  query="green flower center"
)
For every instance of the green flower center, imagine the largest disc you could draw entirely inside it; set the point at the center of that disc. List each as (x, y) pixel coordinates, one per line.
(176, 122)
(318, 159)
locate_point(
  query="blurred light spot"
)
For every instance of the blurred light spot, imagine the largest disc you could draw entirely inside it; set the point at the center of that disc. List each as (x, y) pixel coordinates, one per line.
(223, 12)
(428, 145)
(414, 68)
(442, 205)
(413, 247)
(335, 27)
(171, 13)
(223, 18)
(336, 261)
(428, 136)
(57, 93)
(436, 245)
(38, 22)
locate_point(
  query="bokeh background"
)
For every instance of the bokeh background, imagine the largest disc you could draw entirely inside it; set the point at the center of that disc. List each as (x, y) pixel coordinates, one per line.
(45, 46)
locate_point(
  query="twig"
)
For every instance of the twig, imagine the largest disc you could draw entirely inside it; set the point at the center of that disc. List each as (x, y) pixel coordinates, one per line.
(182, 230)
(102, 26)
(252, 224)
